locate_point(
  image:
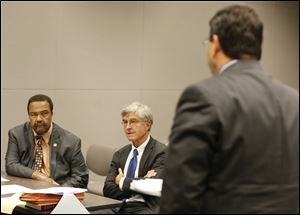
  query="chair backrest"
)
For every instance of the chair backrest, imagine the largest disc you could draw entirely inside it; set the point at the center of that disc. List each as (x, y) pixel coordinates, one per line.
(99, 157)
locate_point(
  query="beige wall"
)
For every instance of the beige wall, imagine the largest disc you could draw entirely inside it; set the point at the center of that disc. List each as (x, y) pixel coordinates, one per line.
(94, 58)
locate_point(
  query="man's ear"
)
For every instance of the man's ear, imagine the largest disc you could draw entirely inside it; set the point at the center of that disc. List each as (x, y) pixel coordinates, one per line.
(216, 45)
(149, 124)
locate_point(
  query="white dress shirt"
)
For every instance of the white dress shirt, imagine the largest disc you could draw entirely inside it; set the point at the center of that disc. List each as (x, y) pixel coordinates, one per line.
(140, 150)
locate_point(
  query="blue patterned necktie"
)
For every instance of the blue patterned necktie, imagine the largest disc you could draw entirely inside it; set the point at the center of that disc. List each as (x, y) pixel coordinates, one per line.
(38, 158)
(132, 164)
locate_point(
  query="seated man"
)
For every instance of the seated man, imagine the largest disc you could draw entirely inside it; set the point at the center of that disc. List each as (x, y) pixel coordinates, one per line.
(40, 149)
(138, 159)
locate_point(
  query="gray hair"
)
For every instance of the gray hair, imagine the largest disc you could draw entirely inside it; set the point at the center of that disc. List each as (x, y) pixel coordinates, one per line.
(142, 110)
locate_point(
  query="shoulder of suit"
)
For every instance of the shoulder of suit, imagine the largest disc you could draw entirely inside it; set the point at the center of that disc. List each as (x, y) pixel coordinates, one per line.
(216, 81)
(156, 143)
(22, 127)
(124, 148)
(63, 133)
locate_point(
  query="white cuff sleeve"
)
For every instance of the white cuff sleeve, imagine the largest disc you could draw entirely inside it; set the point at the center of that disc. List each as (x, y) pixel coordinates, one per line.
(121, 183)
(148, 186)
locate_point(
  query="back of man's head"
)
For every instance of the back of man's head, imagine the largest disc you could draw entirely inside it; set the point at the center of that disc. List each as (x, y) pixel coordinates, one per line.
(240, 31)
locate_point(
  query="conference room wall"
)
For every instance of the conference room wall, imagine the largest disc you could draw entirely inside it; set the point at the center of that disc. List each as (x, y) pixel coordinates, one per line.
(94, 58)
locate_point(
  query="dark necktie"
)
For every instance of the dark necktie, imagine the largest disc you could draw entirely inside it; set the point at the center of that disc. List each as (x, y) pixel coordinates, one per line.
(38, 158)
(132, 165)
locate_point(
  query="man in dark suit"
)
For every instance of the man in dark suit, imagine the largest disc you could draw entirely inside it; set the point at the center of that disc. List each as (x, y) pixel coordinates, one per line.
(149, 155)
(42, 150)
(234, 144)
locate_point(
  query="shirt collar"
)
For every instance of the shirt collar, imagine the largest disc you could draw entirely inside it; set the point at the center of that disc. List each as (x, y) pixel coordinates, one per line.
(225, 66)
(141, 147)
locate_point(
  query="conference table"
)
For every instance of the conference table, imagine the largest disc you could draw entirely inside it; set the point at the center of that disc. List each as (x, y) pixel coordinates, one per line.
(91, 201)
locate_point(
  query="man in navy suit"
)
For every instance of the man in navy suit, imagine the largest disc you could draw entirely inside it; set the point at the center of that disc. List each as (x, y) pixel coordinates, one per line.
(234, 144)
(137, 120)
(62, 161)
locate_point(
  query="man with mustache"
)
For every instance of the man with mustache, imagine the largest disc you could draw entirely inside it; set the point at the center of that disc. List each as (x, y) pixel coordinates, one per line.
(40, 149)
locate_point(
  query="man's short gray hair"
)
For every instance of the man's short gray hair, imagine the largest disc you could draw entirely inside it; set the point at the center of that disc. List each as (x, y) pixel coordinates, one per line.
(142, 110)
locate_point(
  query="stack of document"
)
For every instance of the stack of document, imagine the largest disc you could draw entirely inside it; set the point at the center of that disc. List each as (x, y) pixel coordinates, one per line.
(47, 199)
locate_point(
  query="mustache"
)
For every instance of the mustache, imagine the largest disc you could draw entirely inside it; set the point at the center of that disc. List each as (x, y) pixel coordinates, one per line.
(39, 124)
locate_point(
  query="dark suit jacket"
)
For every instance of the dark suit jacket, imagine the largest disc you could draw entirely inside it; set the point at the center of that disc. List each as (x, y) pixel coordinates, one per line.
(234, 146)
(152, 158)
(67, 165)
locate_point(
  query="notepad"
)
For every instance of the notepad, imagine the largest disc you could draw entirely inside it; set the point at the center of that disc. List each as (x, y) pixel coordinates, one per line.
(13, 188)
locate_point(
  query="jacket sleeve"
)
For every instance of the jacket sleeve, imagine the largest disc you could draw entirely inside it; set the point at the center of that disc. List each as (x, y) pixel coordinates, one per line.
(111, 189)
(15, 151)
(189, 154)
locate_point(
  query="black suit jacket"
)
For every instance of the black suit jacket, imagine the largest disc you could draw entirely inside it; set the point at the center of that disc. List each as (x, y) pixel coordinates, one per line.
(234, 146)
(152, 158)
(67, 165)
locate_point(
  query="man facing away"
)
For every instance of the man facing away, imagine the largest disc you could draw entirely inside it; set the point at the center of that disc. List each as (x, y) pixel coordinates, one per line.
(234, 144)
(143, 158)
(40, 149)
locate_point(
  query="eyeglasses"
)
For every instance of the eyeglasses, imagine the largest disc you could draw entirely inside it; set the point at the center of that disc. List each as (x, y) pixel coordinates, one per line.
(205, 42)
(133, 122)
(43, 114)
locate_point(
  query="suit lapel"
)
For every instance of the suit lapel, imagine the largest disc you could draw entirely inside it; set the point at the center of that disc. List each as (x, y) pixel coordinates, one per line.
(123, 156)
(55, 143)
(148, 150)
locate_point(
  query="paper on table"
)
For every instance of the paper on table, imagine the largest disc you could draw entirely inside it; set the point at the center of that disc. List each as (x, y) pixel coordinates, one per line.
(13, 188)
(149, 186)
(9, 203)
(4, 179)
(58, 190)
(69, 204)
